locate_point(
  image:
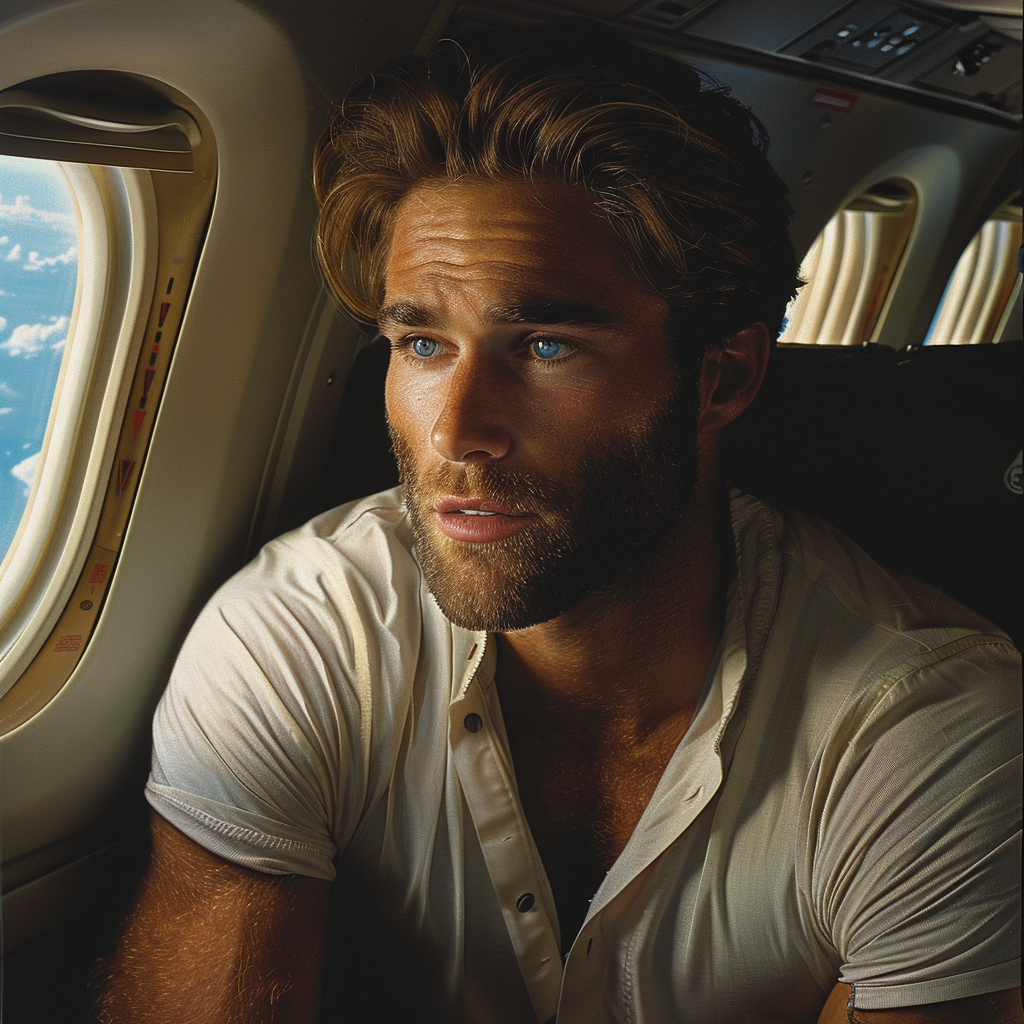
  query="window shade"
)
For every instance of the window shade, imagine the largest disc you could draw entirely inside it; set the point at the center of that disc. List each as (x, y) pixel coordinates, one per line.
(48, 127)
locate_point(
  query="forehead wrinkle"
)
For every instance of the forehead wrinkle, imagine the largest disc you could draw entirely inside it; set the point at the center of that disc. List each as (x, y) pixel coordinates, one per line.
(464, 242)
(466, 246)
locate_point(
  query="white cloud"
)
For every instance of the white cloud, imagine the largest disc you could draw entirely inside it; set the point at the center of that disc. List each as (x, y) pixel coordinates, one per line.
(7, 391)
(3, 324)
(5, 410)
(25, 471)
(22, 212)
(28, 340)
(14, 254)
(4, 239)
(37, 262)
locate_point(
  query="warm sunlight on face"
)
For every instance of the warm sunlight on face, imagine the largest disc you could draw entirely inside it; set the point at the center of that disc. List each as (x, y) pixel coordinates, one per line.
(542, 429)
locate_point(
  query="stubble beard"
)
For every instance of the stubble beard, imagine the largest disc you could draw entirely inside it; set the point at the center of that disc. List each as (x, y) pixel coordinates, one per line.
(605, 518)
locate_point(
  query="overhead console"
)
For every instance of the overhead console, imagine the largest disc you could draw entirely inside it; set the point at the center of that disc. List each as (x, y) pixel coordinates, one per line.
(959, 55)
(970, 61)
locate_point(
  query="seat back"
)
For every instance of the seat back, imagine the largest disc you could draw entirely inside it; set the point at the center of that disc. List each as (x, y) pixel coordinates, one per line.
(909, 454)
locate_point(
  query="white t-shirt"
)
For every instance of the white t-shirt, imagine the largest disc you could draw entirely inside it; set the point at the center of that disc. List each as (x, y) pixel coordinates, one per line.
(844, 806)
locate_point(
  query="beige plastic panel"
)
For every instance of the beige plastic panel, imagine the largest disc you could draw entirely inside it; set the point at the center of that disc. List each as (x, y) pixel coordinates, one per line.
(70, 764)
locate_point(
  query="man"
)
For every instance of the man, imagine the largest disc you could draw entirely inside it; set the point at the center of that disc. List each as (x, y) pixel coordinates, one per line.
(604, 741)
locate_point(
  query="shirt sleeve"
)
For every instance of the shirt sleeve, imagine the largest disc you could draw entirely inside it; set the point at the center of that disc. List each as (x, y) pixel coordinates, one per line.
(258, 741)
(918, 801)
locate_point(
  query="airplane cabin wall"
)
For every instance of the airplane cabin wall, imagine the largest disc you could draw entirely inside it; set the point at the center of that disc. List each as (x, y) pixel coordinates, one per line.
(68, 774)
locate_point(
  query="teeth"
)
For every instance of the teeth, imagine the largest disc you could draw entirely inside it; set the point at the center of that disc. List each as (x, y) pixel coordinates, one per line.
(475, 512)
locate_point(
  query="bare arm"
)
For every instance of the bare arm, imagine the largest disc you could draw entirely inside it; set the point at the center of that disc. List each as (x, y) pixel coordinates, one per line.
(992, 1008)
(210, 942)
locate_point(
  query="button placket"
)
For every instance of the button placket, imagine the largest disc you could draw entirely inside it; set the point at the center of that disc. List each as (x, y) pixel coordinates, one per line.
(493, 806)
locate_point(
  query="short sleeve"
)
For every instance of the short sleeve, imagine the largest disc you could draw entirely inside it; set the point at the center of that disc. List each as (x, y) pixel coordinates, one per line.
(916, 873)
(257, 739)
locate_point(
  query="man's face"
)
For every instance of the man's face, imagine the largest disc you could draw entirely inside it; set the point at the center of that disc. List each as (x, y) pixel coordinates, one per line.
(545, 437)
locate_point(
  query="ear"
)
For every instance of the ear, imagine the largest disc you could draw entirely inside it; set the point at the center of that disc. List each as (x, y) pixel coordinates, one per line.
(731, 376)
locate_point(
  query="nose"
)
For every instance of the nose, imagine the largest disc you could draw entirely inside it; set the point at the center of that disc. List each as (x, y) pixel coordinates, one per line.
(472, 425)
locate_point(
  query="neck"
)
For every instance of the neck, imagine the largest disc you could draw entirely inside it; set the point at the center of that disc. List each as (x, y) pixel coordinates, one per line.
(640, 649)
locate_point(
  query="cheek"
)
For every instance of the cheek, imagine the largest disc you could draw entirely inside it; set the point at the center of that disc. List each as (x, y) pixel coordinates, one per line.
(409, 405)
(603, 404)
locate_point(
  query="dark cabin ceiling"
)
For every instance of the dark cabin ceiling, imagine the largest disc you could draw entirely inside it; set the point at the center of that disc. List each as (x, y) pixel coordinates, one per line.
(966, 51)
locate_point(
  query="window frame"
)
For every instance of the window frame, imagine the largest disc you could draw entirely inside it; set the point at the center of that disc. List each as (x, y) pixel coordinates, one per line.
(116, 212)
(852, 268)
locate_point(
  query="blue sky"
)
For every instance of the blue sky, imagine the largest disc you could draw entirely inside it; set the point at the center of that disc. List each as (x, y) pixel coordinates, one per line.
(38, 271)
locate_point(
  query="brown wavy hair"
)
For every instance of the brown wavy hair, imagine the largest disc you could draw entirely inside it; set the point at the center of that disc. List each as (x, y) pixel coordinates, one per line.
(675, 166)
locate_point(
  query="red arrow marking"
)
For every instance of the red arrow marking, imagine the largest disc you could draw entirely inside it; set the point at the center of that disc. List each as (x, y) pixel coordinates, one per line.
(124, 475)
(140, 415)
(164, 306)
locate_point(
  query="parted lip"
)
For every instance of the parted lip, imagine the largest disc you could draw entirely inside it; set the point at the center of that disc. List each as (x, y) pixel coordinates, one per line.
(451, 504)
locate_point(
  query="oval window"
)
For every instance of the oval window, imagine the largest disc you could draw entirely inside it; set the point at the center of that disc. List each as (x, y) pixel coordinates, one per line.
(981, 287)
(850, 268)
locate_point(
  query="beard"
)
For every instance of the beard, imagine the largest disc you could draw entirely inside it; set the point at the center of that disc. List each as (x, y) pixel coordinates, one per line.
(606, 516)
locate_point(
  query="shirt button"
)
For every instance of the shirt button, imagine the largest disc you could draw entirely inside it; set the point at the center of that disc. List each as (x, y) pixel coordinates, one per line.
(473, 722)
(525, 902)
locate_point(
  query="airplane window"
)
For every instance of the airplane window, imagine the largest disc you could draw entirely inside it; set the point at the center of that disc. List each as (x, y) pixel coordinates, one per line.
(850, 267)
(137, 217)
(980, 287)
(39, 247)
(74, 356)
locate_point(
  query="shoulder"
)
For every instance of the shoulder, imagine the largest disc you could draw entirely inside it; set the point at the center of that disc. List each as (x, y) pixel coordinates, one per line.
(855, 658)
(333, 605)
(359, 553)
(829, 593)
(370, 537)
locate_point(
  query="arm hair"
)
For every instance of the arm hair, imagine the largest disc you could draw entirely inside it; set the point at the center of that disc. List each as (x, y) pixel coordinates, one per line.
(210, 942)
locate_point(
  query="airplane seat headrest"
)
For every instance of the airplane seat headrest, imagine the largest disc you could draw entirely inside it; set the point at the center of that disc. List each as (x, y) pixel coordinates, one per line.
(911, 454)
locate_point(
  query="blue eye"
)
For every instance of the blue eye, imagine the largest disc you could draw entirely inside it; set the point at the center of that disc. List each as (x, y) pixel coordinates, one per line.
(425, 347)
(546, 348)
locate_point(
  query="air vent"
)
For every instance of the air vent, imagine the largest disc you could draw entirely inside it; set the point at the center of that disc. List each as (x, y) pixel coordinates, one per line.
(663, 13)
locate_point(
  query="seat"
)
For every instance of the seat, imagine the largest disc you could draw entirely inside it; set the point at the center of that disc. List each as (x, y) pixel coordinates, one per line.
(908, 453)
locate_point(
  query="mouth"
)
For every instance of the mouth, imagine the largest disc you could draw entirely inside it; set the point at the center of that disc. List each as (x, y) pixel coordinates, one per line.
(476, 507)
(479, 521)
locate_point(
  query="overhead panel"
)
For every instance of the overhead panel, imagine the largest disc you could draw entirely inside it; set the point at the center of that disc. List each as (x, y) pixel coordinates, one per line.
(931, 55)
(944, 51)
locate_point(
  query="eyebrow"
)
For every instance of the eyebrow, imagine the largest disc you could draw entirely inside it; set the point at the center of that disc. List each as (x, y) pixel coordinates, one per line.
(407, 314)
(550, 313)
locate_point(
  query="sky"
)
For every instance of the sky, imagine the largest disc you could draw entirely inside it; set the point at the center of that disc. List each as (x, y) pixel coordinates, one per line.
(38, 272)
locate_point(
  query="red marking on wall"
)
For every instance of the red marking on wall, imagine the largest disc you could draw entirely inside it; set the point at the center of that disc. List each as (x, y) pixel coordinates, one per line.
(124, 475)
(164, 306)
(68, 644)
(140, 415)
(147, 382)
(834, 99)
(98, 575)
